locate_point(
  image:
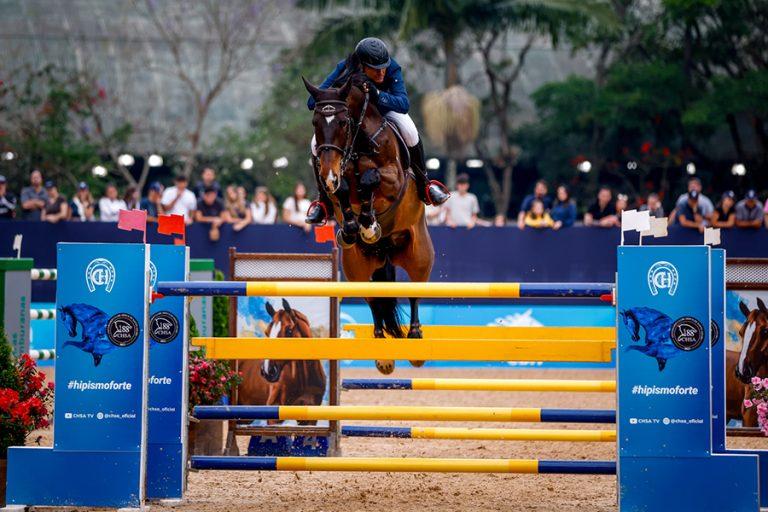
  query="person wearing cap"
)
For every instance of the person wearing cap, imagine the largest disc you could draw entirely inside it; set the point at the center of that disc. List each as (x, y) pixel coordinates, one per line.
(386, 89)
(82, 207)
(707, 208)
(7, 201)
(179, 200)
(602, 213)
(110, 205)
(34, 197)
(210, 209)
(724, 215)
(749, 211)
(690, 214)
(151, 204)
(462, 207)
(56, 207)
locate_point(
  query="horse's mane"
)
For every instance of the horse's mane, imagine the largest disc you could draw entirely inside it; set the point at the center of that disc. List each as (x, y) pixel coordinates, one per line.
(352, 68)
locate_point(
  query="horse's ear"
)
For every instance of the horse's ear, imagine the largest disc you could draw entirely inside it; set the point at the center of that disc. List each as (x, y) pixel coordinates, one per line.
(761, 305)
(287, 306)
(744, 309)
(311, 89)
(344, 89)
(269, 308)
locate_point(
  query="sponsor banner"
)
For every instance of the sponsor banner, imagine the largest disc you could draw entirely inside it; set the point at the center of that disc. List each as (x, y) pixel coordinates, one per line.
(100, 346)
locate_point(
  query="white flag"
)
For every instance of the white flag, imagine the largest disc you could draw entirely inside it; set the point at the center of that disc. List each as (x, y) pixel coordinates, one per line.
(658, 228)
(17, 245)
(633, 220)
(712, 236)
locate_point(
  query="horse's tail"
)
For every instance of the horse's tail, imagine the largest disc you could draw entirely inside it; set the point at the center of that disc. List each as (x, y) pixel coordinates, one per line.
(386, 309)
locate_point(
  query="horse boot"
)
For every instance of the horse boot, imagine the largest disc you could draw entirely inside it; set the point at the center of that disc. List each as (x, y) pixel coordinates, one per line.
(321, 209)
(431, 192)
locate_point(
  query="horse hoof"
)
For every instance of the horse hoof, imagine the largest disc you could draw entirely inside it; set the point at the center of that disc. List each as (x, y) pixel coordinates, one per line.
(386, 366)
(415, 334)
(372, 234)
(417, 364)
(342, 240)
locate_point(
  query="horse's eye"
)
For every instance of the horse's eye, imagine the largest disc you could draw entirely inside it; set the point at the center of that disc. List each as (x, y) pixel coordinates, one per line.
(764, 332)
(289, 332)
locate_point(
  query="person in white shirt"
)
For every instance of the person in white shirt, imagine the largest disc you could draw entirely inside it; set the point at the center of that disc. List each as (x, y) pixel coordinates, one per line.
(110, 205)
(179, 200)
(263, 207)
(462, 207)
(295, 208)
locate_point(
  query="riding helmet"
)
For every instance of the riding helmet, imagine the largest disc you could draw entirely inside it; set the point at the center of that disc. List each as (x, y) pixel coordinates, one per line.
(373, 53)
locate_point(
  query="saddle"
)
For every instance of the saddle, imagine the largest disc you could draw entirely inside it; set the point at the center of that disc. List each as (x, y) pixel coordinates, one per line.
(405, 155)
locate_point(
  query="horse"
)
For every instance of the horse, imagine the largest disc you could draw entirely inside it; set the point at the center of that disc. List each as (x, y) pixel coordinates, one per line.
(93, 331)
(750, 361)
(657, 327)
(360, 164)
(270, 382)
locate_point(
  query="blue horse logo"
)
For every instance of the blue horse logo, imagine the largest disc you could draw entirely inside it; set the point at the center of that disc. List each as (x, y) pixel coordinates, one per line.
(93, 329)
(657, 327)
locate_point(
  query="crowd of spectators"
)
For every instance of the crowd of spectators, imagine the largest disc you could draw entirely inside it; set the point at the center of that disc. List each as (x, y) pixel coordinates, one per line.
(207, 202)
(540, 210)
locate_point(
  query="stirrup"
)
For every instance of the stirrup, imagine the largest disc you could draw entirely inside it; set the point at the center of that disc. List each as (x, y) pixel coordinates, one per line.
(439, 184)
(322, 206)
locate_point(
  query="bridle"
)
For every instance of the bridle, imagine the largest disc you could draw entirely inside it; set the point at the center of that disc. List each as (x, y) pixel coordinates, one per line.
(335, 107)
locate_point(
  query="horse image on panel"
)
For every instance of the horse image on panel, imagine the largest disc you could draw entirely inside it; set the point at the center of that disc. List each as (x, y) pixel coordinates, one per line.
(750, 361)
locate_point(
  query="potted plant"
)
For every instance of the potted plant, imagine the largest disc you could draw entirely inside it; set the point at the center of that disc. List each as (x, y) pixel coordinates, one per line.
(25, 403)
(758, 400)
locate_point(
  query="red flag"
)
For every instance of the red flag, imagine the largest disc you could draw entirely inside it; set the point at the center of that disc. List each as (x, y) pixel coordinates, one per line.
(325, 234)
(133, 220)
(172, 225)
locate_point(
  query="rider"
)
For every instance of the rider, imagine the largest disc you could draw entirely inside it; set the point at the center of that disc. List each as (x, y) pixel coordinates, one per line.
(386, 90)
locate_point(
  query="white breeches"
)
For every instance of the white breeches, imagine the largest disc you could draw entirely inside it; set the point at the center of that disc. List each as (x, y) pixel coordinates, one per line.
(403, 122)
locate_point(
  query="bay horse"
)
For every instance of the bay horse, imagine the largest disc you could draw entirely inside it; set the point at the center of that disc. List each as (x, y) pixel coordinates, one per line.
(363, 167)
(272, 382)
(750, 361)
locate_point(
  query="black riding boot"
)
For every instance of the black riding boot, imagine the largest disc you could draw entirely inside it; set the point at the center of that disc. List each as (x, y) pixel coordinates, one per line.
(321, 208)
(430, 192)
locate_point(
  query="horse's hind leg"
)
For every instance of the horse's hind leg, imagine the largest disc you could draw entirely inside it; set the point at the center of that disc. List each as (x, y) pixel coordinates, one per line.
(415, 329)
(370, 230)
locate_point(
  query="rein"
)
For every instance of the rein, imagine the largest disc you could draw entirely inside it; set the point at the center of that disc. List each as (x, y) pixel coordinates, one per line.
(333, 107)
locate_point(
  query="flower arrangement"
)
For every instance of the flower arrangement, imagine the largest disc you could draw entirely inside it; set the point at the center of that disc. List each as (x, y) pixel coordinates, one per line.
(25, 398)
(209, 380)
(759, 400)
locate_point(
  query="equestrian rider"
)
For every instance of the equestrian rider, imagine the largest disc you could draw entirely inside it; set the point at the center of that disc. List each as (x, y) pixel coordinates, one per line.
(386, 90)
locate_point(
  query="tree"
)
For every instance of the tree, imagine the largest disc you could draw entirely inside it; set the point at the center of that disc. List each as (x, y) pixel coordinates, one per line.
(228, 36)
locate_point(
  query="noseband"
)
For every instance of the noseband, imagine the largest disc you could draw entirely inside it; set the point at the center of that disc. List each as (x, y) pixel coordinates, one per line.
(332, 108)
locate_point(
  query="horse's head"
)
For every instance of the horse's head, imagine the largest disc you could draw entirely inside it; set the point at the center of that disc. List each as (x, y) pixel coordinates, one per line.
(633, 325)
(334, 127)
(66, 315)
(754, 342)
(285, 323)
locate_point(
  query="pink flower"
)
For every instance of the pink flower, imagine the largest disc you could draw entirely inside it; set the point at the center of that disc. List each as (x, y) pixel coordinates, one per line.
(748, 403)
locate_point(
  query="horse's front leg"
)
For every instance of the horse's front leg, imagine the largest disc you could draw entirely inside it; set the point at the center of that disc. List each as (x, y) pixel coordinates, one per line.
(347, 236)
(370, 230)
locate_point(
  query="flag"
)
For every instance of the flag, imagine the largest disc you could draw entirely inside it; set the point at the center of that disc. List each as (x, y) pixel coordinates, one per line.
(17, 245)
(172, 225)
(712, 236)
(325, 234)
(133, 220)
(633, 220)
(658, 228)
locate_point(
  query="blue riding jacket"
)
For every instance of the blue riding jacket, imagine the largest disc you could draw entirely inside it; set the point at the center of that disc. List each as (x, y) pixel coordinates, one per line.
(392, 93)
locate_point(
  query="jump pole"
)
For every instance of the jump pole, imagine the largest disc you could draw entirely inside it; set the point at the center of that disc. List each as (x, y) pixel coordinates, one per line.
(402, 413)
(422, 384)
(394, 465)
(481, 434)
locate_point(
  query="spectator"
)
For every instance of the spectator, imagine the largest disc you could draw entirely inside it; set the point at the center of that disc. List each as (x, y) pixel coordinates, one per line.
(622, 201)
(690, 213)
(56, 207)
(705, 204)
(236, 211)
(500, 221)
(462, 207)
(179, 200)
(131, 198)
(435, 215)
(263, 207)
(537, 217)
(208, 179)
(564, 210)
(749, 211)
(653, 205)
(602, 213)
(110, 205)
(295, 208)
(724, 215)
(34, 197)
(540, 190)
(7, 201)
(82, 206)
(152, 204)
(210, 209)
